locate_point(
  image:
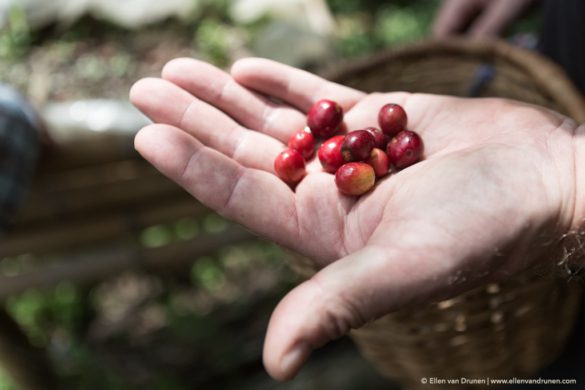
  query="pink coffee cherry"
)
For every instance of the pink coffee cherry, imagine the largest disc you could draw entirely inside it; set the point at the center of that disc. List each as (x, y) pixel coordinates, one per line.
(392, 119)
(379, 161)
(290, 166)
(355, 178)
(405, 149)
(357, 145)
(330, 154)
(380, 139)
(324, 118)
(303, 142)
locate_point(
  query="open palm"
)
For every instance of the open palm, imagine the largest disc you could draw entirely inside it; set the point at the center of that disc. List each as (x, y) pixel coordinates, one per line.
(493, 195)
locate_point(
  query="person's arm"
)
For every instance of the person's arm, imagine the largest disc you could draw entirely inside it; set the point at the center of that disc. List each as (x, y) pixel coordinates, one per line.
(496, 192)
(477, 18)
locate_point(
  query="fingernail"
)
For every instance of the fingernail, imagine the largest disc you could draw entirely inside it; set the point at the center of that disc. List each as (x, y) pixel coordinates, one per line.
(292, 361)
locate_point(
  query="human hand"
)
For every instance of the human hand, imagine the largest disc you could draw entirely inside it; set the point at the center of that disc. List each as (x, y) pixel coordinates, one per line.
(478, 18)
(493, 196)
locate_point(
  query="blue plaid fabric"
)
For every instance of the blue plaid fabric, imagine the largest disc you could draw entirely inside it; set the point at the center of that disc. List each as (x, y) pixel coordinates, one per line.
(19, 150)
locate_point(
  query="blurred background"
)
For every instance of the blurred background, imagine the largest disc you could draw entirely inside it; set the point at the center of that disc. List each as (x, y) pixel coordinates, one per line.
(110, 275)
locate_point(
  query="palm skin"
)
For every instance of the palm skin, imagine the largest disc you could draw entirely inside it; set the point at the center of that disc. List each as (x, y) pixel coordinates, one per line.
(494, 195)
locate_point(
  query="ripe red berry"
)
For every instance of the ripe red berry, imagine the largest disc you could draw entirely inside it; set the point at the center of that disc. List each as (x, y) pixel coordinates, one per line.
(392, 119)
(355, 178)
(290, 166)
(324, 118)
(380, 139)
(379, 161)
(357, 145)
(304, 142)
(330, 154)
(405, 149)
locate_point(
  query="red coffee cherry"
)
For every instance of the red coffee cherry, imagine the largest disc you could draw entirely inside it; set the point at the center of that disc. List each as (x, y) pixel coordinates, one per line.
(324, 118)
(303, 142)
(379, 161)
(405, 149)
(392, 119)
(330, 154)
(290, 166)
(355, 178)
(380, 139)
(357, 145)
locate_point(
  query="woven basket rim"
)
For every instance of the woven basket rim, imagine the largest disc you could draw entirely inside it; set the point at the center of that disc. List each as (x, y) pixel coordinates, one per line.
(549, 76)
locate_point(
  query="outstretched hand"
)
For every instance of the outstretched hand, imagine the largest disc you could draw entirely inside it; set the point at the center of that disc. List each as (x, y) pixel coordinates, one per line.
(494, 194)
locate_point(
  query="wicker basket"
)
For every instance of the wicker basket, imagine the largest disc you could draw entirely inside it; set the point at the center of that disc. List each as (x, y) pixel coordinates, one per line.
(504, 330)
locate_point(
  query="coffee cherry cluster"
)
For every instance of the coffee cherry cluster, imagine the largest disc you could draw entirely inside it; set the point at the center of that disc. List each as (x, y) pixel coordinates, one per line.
(358, 158)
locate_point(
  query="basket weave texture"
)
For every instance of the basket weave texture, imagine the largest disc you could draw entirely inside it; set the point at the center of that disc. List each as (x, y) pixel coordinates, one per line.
(504, 330)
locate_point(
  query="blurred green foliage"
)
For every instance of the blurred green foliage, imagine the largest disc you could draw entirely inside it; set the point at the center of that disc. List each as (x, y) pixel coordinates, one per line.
(182, 229)
(186, 228)
(56, 319)
(207, 272)
(15, 39)
(156, 236)
(381, 24)
(212, 39)
(5, 382)
(363, 27)
(35, 311)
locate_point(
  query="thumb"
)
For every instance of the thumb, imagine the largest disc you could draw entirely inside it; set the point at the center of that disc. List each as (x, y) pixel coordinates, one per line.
(345, 295)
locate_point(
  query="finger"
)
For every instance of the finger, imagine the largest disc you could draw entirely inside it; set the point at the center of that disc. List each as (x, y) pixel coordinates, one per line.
(454, 16)
(166, 103)
(497, 17)
(294, 86)
(219, 89)
(254, 198)
(343, 296)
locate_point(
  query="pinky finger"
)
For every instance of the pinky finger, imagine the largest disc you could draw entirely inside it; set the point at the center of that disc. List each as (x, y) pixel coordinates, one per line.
(254, 198)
